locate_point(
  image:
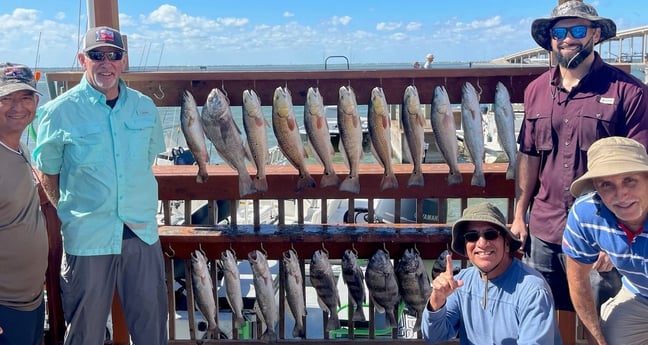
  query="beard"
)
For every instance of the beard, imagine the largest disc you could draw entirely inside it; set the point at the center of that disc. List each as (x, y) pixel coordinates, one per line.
(573, 60)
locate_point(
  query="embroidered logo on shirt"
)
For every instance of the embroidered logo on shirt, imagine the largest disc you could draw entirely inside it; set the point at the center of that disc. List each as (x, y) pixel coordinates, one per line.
(606, 100)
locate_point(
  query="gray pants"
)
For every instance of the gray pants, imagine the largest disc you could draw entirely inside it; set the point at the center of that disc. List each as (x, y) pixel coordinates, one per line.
(623, 319)
(88, 284)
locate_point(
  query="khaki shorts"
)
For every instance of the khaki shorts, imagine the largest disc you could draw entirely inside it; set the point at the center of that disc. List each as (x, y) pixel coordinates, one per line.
(623, 319)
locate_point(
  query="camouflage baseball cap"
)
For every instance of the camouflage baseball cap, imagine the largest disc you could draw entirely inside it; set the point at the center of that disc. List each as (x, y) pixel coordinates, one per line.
(16, 77)
(570, 9)
(102, 36)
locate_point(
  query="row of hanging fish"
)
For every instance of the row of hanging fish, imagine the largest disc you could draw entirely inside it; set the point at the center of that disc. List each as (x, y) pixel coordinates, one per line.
(387, 286)
(218, 125)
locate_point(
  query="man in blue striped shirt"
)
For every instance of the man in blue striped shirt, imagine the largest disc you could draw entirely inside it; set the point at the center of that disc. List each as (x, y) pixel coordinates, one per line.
(610, 217)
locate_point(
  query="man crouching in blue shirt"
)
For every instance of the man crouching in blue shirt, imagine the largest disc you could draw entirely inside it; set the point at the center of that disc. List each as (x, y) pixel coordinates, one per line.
(499, 300)
(610, 217)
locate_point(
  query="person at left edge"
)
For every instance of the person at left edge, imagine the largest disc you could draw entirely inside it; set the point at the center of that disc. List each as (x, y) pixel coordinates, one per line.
(96, 145)
(499, 299)
(23, 236)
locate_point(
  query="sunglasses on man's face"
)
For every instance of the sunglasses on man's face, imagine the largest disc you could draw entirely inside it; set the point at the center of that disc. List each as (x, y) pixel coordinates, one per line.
(577, 31)
(99, 56)
(488, 235)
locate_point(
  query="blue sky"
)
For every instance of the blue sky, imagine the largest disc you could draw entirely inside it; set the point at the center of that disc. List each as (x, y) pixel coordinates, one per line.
(215, 32)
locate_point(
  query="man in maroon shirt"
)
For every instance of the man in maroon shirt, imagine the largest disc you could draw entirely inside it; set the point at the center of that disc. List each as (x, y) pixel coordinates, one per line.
(567, 108)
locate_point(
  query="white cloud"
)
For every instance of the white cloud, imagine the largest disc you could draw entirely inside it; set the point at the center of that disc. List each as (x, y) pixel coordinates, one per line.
(388, 26)
(288, 14)
(343, 20)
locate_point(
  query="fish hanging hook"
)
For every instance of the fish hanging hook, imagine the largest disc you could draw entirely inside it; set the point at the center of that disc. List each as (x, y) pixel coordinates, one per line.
(172, 252)
(161, 96)
(354, 249)
(416, 249)
(201, 249)
(223, 88)
(385, 248)
(292, 247)
(263, 250)
(232, 249)
(324, 249)
(480, 89)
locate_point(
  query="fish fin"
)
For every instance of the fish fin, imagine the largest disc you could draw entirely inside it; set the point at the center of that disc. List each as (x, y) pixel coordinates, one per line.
(510, 172)
(329, 178)
(239, 322)
(454, 178)
(299, 331)
(292, 124)
(417, 323)
(416, 179)
(260, 184)
(305, 181)
(390, 319)
(269, 336)
(358, 314)
(246, 185)
(478, 179)
(333, 322)
(202, 175)
(351, 184)
(389, 181)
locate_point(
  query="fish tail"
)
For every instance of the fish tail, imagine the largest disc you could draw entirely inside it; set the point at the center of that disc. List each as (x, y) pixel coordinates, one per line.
(269, 336)
(510, 172)
(246, 185)
(454, 178)
(416, 179)
(305, 181)
(333, 322)
(260, 183)
(390, 320)
(239, 322)
(478, 179)
(417, 323)
(329, 178)
(359, 315)
(389, 181)
(299, 331)
(351, 184)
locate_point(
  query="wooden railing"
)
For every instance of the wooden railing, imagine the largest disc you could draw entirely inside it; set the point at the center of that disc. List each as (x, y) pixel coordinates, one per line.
(178, 183)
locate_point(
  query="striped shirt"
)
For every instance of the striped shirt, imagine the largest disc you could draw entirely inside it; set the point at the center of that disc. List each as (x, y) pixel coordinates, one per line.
(593, 228)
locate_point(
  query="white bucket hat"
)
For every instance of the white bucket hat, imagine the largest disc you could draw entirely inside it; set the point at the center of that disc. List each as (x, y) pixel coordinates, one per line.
(610, 156)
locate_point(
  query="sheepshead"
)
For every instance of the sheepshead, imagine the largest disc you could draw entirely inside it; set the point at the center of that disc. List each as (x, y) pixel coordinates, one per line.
(382, 285)
(354, 280)
(414, 283)
(319, 136)
(379, 124)
(413, 123)
(445, 132)
(505, 122)
(439, 265)
(286, 130)
(350, 127)
(192, 129)
(265, 294)
(323, 280)
(471, 119)
(223, 132)
(203, 289)
(232, 283)
(294, 282)
(255, 125)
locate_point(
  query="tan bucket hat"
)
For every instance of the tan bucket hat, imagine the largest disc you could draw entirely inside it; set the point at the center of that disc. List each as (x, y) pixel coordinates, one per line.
(482, 212)
(570, 9)
(610, 156)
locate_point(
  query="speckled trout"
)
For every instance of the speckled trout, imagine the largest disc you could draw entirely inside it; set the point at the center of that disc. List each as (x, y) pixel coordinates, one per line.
(471, 120)
(255, 125)
(505, 122)
(192, 129)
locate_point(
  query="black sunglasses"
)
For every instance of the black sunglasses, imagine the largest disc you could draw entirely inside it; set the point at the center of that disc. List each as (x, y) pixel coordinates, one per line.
(488, 235)
(99, 56)
(577, 31)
